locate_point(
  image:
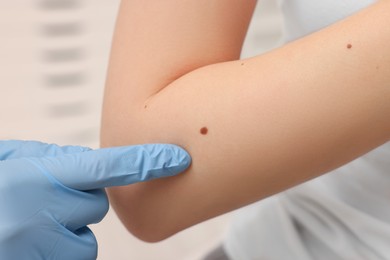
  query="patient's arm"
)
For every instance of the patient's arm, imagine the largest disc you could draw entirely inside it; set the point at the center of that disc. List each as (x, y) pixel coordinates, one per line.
(273, 121)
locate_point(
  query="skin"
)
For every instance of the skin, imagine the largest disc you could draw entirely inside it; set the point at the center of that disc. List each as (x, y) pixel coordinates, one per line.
(274, 121)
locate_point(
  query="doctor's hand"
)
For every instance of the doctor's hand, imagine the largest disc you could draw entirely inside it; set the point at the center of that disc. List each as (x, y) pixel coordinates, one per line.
(49, 194)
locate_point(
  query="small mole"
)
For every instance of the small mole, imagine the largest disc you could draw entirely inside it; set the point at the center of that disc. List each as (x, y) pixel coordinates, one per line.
(242, 64)
(204, 130)
(146, 106)
(349, 46)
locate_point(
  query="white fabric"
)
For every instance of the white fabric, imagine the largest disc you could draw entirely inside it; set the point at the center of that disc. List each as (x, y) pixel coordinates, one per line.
(302, 17)
(344, 215)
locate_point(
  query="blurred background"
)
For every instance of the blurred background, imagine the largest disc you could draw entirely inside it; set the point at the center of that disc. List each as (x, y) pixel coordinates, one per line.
(53, 62)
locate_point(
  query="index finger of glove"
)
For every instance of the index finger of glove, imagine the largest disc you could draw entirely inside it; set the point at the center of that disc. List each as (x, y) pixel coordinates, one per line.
(116, 166)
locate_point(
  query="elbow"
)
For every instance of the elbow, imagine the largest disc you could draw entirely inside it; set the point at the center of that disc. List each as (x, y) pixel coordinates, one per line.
(149, 234)
(147, 222)
(150, 231)
(150, 211)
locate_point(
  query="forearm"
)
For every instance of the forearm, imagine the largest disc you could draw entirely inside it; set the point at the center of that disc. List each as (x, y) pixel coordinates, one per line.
(274, 121)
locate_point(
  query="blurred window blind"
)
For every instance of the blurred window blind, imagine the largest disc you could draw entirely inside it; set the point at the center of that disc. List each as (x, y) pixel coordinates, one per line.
(53, 65)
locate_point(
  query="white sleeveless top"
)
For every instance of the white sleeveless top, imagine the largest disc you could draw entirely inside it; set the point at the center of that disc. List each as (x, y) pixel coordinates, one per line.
(343, 215)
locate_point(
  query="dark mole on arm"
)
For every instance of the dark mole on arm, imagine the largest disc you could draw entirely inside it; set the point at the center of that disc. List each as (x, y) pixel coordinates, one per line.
(204, 130)
(349, 46)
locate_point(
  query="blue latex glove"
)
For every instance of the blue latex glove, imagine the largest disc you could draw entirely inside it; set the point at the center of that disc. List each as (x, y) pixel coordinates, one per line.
(49, 194)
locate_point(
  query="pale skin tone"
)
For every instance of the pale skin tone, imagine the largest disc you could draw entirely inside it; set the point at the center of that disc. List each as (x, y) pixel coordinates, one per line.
(274, 121)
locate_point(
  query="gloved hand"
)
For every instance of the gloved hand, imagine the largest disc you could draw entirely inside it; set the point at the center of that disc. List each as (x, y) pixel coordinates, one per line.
(49, 194)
